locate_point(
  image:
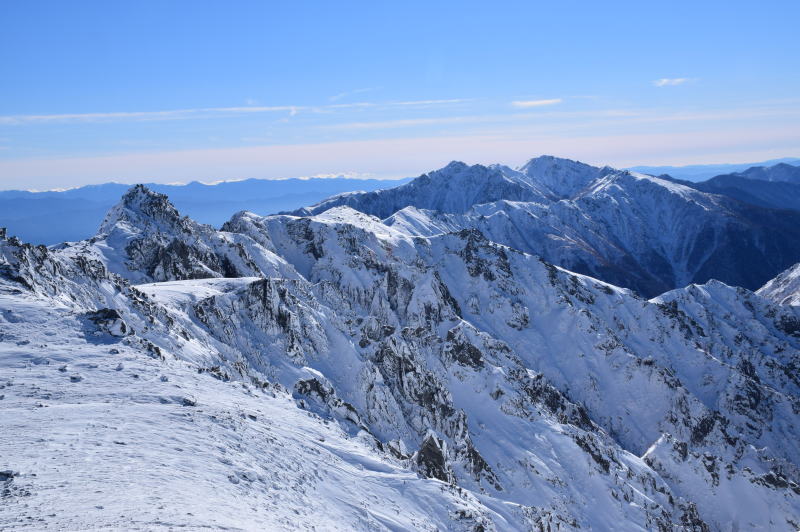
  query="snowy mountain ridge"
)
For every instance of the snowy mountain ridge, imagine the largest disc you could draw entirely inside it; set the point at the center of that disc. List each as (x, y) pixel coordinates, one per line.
(344, 371)
(646, 233)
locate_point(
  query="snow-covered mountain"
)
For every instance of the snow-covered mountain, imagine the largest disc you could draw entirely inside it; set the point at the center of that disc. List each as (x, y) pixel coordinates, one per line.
(144, 238)
(701, 172)
(775, 186)
(780, 172)
(54, 216)
(646, 233)
(785, 288)
(345, 372)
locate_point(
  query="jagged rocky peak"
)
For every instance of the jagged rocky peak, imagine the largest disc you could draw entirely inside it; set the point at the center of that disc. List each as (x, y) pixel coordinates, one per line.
(563, 177)
(140, 206)
(144, 238)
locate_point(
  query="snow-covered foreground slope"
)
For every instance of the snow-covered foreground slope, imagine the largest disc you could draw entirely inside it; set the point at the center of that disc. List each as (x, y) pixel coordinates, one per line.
(98, 434)
(360, 377)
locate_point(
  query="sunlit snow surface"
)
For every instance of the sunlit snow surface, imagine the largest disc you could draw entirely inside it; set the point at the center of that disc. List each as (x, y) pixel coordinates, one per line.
(103, 439)
(785, 288)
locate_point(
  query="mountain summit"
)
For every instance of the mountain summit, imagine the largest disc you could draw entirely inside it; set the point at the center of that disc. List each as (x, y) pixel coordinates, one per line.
(144, 210)
(452, 189)
(144, 238)
(563, 177)
(646, 233)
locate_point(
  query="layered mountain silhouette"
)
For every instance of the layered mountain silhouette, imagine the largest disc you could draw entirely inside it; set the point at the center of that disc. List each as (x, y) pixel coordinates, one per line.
(408, 359)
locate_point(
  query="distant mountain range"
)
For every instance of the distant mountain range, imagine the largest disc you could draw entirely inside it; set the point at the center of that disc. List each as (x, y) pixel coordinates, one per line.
(775, 186)
(700, 172)
(57, 216)
(52, 217)
(650, 234)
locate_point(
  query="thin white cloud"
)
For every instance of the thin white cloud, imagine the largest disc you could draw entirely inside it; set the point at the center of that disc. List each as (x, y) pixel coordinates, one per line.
(506, 118)
(204, 112)
(407, 122)
(418, 103)
(345, 94)
(536, 103)
(434, 102)
(175, 114)
(670, 82)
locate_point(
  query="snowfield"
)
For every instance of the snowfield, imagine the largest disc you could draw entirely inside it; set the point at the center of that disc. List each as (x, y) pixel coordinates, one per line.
(101, 436)
(336, 370)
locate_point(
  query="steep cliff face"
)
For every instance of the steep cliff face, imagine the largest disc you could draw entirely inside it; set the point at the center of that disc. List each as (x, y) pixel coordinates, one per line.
(512, 393)
(144, 238)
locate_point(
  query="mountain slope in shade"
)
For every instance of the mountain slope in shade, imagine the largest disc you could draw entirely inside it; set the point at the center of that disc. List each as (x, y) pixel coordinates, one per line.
(701, 172)
(785, 288)
(646, 233)
(782, 172)
(771, 194)
(776, 187)
(443, 381)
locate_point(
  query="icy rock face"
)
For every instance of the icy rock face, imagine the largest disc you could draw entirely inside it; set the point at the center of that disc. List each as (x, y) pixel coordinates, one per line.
(144, 238)
(664, 367)
(785, 288)
(641, 232)
(535, 396)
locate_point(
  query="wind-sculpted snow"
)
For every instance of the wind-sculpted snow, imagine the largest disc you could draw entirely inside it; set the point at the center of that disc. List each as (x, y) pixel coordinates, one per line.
(356, 375)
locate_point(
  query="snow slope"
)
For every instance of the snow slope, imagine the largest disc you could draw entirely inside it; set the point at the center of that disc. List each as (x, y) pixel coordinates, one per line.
(358, 376)
(785, 288)
(100, 435)
(646, 233)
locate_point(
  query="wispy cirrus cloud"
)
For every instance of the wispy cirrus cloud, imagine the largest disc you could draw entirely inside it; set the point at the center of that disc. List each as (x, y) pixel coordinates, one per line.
(506, 118)
(174, 114)
(670, 82)
(525, 104)
(345, 94)
(205, 112)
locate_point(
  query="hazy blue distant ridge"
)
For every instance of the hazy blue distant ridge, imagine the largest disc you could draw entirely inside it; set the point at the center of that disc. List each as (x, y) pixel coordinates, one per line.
(700, 172)
(52, 217)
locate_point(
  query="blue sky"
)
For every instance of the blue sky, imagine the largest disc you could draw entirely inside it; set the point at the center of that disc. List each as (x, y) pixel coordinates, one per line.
(175, 91)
